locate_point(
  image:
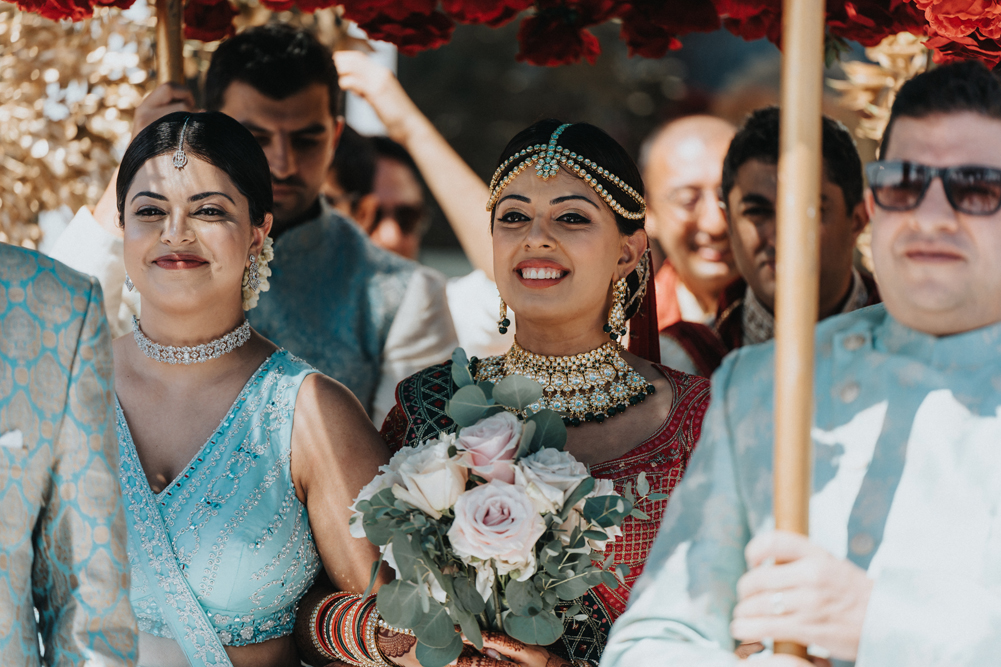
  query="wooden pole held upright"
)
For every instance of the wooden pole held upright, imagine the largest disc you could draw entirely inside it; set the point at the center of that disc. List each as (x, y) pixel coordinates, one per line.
(797, 257)
(169, 42)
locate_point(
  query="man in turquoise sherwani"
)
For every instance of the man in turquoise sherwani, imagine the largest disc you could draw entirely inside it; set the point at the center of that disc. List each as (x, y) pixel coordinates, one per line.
(903, 561)
(62, 524)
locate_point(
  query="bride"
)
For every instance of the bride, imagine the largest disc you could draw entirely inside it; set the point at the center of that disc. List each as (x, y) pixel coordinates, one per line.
(238, 460)
(569, 256)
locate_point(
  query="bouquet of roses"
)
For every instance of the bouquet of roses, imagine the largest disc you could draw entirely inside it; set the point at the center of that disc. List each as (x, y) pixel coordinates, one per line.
(491, 527)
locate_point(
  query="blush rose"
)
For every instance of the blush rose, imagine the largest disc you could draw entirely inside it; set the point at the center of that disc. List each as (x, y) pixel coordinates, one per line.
(497, 521)
(489, 446)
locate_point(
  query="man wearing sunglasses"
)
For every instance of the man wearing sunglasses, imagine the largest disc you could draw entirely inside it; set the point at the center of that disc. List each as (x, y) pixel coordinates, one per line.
(903, 562)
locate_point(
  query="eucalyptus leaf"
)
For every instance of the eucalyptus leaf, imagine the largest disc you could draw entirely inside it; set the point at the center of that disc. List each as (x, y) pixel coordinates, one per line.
(523, 598)
(639, 514)
(430, 656)
(572, 588)
(467, 595)
(466, 405)
(595, 535)
(488, 389)
(610, 580)
(470, 627)
(585, 487)
(377, 532)
(658, 496)
(406, 555)
(517, 392)
(375, 572)
(642, 486)
(460, 368)
(607, 511)
(525, 445)
(541, 629)
(399, 603)
(550, 430)
(435, 627)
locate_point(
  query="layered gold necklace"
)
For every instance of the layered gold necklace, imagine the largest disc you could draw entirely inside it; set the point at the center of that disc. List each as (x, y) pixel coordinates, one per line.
(584, 387)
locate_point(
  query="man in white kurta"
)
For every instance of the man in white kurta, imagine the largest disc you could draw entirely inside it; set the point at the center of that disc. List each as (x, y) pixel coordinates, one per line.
(903, 561)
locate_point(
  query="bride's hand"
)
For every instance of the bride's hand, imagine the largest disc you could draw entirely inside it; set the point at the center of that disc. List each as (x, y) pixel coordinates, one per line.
(496, 645)
(499, 650)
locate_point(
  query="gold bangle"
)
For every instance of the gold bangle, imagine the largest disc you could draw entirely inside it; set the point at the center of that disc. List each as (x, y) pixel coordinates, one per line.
(312, 628)
(399, 631)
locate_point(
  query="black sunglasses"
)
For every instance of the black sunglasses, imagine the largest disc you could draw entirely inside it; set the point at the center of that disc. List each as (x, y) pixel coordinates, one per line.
(408, 217)
(900, 186)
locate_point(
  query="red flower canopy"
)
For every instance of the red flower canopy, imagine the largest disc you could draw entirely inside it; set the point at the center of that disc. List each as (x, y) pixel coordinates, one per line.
(555, 32)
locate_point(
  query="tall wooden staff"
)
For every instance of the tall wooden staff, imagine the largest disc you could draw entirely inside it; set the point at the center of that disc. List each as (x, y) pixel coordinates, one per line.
(169, 42)
(797, 258)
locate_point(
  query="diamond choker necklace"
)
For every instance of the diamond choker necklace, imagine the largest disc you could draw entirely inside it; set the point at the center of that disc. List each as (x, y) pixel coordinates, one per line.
(213, 349)
(584, 387)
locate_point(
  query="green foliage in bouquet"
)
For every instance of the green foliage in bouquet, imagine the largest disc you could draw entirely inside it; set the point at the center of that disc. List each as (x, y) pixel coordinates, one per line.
(436, 590)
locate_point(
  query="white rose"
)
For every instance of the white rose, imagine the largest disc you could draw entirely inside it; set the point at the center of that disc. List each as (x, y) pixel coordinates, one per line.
(431, 481)
(549, 476)
(497, 522)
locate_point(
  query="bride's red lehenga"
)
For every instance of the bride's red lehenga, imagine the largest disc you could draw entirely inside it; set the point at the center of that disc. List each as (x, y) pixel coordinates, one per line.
(419, 414)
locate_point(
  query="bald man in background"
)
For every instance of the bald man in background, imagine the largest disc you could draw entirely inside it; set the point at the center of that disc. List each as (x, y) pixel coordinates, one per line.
(682, 171)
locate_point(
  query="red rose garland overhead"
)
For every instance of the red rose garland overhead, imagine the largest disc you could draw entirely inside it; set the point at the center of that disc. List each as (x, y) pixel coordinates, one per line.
(556, 32)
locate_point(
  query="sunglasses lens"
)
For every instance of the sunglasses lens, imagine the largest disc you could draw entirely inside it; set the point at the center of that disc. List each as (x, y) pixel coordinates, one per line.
(975, 190)
(898, 186)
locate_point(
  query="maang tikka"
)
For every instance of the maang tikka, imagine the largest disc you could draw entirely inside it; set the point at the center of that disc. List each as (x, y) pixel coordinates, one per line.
(180, 159)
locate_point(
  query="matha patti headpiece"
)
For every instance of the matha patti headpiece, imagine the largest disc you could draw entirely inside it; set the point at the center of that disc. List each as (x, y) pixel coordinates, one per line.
(548, 158)
(180, 159)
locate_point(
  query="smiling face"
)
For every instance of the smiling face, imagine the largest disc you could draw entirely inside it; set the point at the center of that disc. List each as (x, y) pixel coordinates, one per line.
(683, 175)
(557, 251)
(752, 212)
(298, 135)
(188, 237)
(939, 271)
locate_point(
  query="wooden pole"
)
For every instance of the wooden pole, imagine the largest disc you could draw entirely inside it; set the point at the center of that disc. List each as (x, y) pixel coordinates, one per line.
(169, 42)
(797, 260)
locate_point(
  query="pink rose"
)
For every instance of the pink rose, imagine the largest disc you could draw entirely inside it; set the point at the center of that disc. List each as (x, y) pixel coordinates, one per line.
(498, 522)
(490, 446)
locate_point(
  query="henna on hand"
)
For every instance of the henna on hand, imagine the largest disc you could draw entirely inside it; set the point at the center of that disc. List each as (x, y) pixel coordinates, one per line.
(394, 644)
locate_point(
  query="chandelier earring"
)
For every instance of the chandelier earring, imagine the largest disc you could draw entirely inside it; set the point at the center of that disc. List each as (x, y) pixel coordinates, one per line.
(255, 276)
(503, 323)
(616, 326)
(128, 283)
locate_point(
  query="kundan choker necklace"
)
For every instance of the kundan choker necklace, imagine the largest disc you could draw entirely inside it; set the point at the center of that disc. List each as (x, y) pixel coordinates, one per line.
(213, 349)
(584, 387)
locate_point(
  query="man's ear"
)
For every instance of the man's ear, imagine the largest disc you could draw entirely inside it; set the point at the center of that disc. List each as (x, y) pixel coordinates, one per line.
(860, 218)
(633, 247)
(870, 204)
(365, 212)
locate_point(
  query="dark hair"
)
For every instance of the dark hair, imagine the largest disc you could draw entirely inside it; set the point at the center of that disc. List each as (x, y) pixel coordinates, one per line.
(955, 88)
(276, 60)
(354, 164)
(591, 143)
(387, 148)
(758, 139)
(210, 136)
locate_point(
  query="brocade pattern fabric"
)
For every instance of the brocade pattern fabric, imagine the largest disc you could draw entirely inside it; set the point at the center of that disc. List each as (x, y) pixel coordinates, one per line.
(62, 524)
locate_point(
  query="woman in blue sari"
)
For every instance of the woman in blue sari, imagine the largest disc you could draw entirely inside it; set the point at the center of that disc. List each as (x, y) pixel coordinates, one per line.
(238, 460)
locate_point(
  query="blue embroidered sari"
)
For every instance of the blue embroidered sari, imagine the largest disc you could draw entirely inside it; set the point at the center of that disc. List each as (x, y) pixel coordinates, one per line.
(223, 554)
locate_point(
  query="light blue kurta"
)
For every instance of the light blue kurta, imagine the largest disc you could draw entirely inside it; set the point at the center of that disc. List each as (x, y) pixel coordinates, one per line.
(223, 553)
(62, 525)
(907, 485)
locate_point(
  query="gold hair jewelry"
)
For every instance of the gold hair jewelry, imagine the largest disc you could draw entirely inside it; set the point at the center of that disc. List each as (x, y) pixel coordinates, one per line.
(548, 158)
(583, 387)
(180, 158)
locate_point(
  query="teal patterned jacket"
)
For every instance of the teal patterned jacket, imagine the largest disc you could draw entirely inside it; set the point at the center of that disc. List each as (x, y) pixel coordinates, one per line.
(62, 524)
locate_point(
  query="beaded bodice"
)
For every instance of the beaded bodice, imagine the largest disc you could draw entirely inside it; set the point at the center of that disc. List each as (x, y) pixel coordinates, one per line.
(232, 519)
